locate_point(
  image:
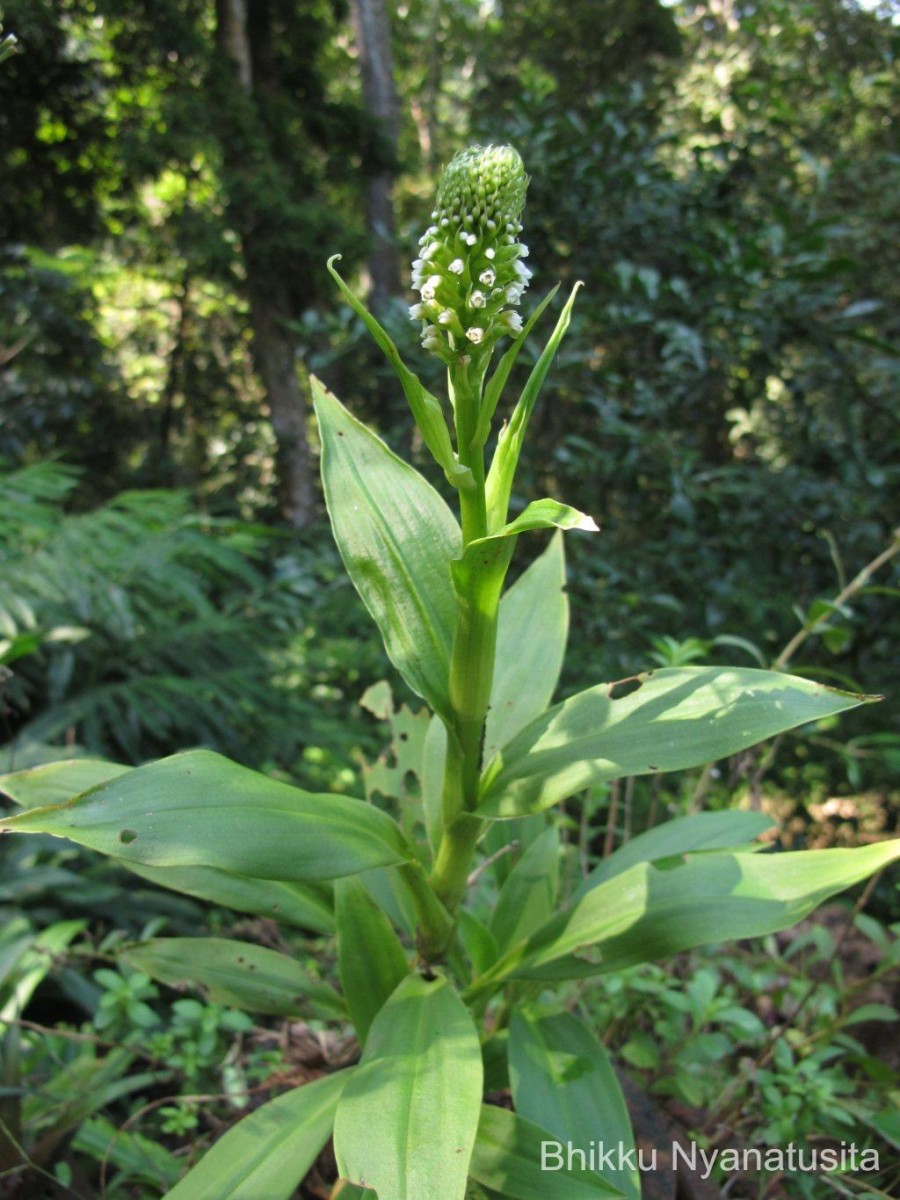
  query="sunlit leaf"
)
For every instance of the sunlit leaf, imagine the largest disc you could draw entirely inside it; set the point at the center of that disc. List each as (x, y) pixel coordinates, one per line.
(396, 537)
(663, 720)
(406, 1124)
(270, 1151)
(201, 809)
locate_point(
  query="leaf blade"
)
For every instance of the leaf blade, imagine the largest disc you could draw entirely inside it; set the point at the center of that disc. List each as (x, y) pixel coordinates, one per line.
(407, 1124)
(269, 1151)
(508, 1158)
(649, 913)
(669, 720)
(397, 538)
(683, 835)
(371, 961)
(532, 629)
(240, 974)
(199, 809)
(562, 1079)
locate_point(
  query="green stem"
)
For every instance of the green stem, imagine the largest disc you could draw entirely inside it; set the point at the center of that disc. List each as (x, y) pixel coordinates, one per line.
(478, 580)
(450, 875)
(435, 923)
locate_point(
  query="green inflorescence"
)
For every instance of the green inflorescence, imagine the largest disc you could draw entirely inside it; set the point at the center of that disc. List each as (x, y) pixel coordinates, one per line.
(469, 272)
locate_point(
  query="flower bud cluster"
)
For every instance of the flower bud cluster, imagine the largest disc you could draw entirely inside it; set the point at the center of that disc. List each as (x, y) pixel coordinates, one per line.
(469, 273)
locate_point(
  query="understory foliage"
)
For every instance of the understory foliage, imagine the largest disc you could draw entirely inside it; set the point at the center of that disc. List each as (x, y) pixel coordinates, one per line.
(140, 627)
(219, 984)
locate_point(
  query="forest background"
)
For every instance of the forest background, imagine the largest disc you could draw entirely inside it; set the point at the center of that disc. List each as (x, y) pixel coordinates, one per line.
(725, 179)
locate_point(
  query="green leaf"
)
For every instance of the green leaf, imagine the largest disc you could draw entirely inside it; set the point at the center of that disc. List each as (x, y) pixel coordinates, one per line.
(199, 809)
(238, 974)
(397, 538)
(304, 905)
(649, 913)
(371, 960)
(425, 408)
(26, 961)
(138, 1156)
(528, 897)
(494, 389)
(407, 1121)
(352, 1191)
(478, 942)
(509, 444)
(55, 782)
(544, 514)
(683, 835)
(531, 640)
(562, 1080)
(871, 1012)
(664, 720)
(270, 1151)
(509, 1158)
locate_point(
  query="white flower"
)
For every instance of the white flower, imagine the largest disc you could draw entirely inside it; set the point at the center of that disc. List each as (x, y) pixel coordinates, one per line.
(475, 335)
(418, 312)
(430, 286)
(488, 277)
(470, 239)
(513, 293)
(490, 252)
(510, 321)
(522, 272)
(446, 317)
(431, 338)
(457, 266)
(523, 250)
(477, 300)
(429, 251)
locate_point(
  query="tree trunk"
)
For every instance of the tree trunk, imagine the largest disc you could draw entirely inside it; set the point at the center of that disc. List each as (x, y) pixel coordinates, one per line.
(277, 364)
(273, 346)
(373, 40)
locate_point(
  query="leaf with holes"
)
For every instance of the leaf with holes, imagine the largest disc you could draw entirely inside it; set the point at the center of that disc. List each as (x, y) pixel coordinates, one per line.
(239, 974)
(199, 809)
(664, 720)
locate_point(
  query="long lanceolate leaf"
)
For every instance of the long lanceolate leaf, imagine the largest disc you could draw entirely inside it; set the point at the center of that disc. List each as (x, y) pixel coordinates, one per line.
(517, 1159)
(728, 830)
(241, 974)
(406, 1124)
(425, 408)
(531, 642)
(397, 538)
(650, 912)
(308, 906)
(269, 1152)
(509, 445)
(199, 809)
(664, 720)
(562, 1080)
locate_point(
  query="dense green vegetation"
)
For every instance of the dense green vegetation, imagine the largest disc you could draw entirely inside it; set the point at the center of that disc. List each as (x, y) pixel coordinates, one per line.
(723, 177)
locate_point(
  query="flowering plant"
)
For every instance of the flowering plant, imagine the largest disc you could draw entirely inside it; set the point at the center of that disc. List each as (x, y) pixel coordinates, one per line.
(440, 975)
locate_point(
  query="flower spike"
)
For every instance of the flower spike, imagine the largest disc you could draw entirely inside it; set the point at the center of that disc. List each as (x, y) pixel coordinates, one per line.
(469, 260)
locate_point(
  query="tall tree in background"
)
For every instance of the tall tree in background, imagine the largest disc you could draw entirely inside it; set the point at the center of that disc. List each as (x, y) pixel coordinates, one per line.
(243, 37)
(198, 142)
(270, 147)
(373, 38)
